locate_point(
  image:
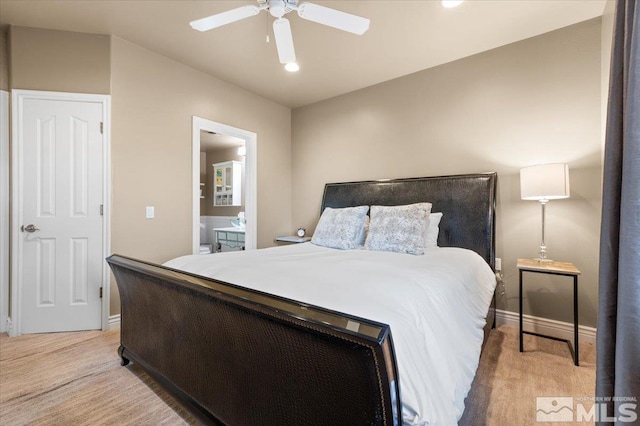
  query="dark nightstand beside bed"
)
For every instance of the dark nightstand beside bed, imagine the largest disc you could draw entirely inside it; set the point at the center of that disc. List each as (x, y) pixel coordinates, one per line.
(554, 268)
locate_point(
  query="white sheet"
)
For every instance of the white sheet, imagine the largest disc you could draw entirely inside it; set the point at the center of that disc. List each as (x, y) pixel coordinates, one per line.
(435, 304)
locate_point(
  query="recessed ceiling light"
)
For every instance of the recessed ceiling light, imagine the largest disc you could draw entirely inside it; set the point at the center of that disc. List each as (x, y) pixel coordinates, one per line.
(292, 67)
(451, 3)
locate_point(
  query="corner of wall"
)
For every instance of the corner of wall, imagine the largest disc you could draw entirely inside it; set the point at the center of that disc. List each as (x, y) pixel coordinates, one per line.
(606, 38)
(4, 60)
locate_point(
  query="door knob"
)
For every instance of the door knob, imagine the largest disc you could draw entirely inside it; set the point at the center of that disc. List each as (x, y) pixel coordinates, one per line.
(29, 228)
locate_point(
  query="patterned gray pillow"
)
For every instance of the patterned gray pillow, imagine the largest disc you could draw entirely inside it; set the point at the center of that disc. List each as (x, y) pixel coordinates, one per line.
(340, 228)
(400, 229)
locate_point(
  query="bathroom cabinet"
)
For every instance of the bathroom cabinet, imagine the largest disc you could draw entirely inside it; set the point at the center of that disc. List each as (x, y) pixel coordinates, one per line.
(227, 184)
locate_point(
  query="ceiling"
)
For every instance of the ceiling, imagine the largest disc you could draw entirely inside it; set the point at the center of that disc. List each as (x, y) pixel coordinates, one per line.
(215, 141)
(404, 37)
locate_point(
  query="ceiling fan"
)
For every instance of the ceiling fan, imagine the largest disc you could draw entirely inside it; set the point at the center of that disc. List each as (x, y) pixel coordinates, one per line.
(281, 28)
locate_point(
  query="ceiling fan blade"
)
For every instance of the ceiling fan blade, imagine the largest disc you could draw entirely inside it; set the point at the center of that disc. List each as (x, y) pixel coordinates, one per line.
(334, 18)
(284, 40)
(224, 18)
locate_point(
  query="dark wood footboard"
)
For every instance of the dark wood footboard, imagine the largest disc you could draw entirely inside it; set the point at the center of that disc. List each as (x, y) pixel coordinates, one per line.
(237, 356)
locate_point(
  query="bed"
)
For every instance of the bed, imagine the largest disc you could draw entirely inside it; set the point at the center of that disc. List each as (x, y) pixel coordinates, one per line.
(241, 349)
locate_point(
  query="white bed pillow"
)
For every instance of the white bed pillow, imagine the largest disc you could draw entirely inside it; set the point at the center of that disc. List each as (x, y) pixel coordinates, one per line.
(340, 228)
(431, 240)
(400, 229)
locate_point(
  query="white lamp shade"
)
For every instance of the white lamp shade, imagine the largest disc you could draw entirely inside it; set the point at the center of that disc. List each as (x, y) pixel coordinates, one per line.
(544, 182)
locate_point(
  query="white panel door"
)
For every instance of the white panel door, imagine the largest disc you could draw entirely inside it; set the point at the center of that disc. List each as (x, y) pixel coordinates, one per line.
(61, 226)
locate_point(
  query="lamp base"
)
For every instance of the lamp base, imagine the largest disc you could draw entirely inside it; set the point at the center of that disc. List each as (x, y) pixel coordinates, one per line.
(542, 254)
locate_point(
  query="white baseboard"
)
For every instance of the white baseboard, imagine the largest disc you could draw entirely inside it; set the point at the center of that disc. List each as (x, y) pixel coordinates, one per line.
(562, 330)
(114, 322)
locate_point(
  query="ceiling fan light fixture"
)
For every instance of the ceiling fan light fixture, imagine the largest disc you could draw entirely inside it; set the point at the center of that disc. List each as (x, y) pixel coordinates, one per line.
(292, 67)
(334, 18)
(451, 3)
(224, 18)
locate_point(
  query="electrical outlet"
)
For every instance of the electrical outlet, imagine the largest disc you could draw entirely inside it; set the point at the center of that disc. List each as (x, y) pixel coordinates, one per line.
(151, 212)
(498, 264)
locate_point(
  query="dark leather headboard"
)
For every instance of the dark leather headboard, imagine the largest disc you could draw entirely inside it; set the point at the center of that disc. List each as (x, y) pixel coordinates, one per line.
(466, 201)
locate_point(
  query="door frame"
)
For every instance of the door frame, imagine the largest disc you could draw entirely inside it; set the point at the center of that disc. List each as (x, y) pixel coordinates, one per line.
(17, 131)
(4, 209)
(251, 173)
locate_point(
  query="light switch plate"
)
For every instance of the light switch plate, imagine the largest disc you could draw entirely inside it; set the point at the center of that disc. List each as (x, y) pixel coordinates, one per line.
(498, 264)
(151, 212)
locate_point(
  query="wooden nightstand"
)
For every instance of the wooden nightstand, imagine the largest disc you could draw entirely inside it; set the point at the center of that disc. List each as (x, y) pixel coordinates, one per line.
(554, 268)
(293, 239)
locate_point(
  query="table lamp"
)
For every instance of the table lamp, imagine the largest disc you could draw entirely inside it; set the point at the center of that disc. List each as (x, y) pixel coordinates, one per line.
(544, 182)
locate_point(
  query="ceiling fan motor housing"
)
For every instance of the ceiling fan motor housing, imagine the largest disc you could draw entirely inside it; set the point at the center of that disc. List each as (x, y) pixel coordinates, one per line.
(279, 8)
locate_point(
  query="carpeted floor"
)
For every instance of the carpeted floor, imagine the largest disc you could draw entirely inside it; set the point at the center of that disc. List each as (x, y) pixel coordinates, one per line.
(76, 379)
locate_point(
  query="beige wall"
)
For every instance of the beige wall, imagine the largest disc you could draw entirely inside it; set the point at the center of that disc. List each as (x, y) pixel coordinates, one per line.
(4, 61)
(153, 101)
(530, 102)
(218, 156)
(533, 101)
(59, 61)
(605, 64)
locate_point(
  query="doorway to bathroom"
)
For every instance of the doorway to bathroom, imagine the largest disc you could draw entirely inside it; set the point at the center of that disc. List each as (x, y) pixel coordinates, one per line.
(224, 183)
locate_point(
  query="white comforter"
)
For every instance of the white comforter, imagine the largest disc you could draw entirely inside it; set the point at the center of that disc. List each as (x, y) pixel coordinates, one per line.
(435, 304)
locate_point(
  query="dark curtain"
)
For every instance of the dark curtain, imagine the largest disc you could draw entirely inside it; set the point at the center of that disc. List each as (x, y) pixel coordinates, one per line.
(618, 338)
